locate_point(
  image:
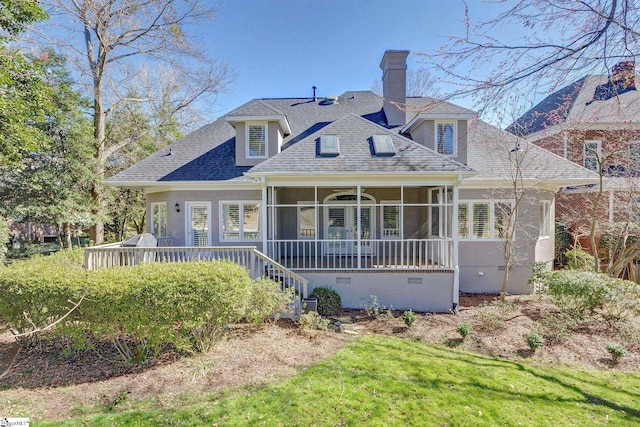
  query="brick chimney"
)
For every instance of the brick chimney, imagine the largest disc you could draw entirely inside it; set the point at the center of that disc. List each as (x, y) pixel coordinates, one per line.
(624, 74)
(394, 86)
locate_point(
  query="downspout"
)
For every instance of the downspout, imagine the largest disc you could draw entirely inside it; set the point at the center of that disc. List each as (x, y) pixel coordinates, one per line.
(454, 231)
(566, 143)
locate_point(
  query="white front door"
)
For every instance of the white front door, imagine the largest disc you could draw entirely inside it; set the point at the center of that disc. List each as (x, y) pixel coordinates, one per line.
(342, 226)
(198, 230)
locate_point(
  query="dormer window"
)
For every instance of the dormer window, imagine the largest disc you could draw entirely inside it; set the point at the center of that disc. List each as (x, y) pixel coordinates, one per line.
(256, 140)
(446, 138)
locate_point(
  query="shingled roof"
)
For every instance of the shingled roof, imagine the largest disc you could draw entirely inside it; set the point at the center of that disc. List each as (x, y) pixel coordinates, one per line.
(581, 102)
(356, 153)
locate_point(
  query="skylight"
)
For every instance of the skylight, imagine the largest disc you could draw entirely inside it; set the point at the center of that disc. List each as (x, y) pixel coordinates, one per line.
(383, 145)
(329, 145)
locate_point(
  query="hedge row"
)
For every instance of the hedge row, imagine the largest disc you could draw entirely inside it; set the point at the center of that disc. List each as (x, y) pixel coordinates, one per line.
(138, 309)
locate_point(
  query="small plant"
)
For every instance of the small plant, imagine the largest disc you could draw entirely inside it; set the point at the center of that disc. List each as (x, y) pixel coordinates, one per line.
(312, 321)
(464, 329)
(409, 318)
(373, 308)
(492, 317)
(329, 302)
(617, 351)
(534, 341)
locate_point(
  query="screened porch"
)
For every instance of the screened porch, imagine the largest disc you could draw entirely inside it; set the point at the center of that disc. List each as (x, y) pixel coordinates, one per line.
(361, 227)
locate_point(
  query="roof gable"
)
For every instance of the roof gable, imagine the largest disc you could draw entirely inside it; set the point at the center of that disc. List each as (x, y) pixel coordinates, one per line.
(356, 154)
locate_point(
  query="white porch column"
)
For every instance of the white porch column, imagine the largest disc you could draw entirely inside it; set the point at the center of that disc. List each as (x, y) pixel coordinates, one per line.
(358, 225)
(454, 231)
(263, 214)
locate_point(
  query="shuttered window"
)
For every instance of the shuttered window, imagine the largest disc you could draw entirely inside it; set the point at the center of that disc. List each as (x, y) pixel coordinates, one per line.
(463, 220)
(481, 227)
(240, 221)
(256, 140)
(446, 138)
(502, 217)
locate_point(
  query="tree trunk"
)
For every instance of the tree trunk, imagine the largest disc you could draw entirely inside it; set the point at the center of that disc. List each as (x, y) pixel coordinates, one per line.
(66, 230)
(99, 128)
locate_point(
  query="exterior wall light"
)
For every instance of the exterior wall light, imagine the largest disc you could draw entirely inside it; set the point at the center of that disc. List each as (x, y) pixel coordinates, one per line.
(177, 207)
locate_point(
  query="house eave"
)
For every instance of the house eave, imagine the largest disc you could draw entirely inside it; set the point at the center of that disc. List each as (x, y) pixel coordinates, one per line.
(155, 186)
(280, 118)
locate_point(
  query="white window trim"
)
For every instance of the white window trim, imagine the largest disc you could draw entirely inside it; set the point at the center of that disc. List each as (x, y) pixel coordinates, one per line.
(266, 139)
(240, 204)
(491, 221)
(187, 220)
(307, 205)
(598, 151)
(152, 223)
(547, 215)
(455, 137)
(395, 204)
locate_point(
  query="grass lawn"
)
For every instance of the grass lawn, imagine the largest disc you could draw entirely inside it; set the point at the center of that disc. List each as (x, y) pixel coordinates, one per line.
(382, 381)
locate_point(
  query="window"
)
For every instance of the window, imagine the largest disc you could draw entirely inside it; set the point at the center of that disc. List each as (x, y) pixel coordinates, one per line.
(502, 218)
(592, 152)
(239, 221)
(306, 221)
(483, 219)
(446, 138)
(257, 140)
(391, 220)
(463, 220)
(480, 223)
(159, 219)
(545, 219)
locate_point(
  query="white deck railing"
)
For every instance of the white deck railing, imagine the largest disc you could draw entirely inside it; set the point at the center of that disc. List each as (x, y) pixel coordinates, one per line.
(256, 262)
(378, 254)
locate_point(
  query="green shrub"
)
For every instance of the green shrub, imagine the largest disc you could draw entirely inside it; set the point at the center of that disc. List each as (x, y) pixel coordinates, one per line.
(464, 329)
(409, 318)
(373, 308)
(30, 249)
(267, 299)
(143, 308)
(534, 340)
(312, 321)
(581, 293)
(37, 292)
(562, 243)
(329, 302)
(577, 259)
(617, 351)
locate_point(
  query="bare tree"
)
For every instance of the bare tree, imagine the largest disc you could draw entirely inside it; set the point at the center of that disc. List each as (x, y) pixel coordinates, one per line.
(120, 47)
(562, 41)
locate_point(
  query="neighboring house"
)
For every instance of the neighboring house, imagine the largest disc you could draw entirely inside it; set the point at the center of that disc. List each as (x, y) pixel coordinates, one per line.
(593, 122)
(401, 198)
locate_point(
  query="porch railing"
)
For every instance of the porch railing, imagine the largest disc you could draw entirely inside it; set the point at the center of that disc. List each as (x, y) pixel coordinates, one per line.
(258, 264)
(379, 254)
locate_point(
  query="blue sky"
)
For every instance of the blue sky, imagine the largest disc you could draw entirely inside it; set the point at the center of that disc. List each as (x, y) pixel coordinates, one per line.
(281, 48)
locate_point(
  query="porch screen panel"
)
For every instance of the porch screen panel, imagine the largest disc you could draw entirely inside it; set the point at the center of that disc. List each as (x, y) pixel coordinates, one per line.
(502, 214)
(481, 226)
(390, 222)
(251, 221)
(306, 222)
(365, 223)
(336, 228)
(200, 226)
(231, 222)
